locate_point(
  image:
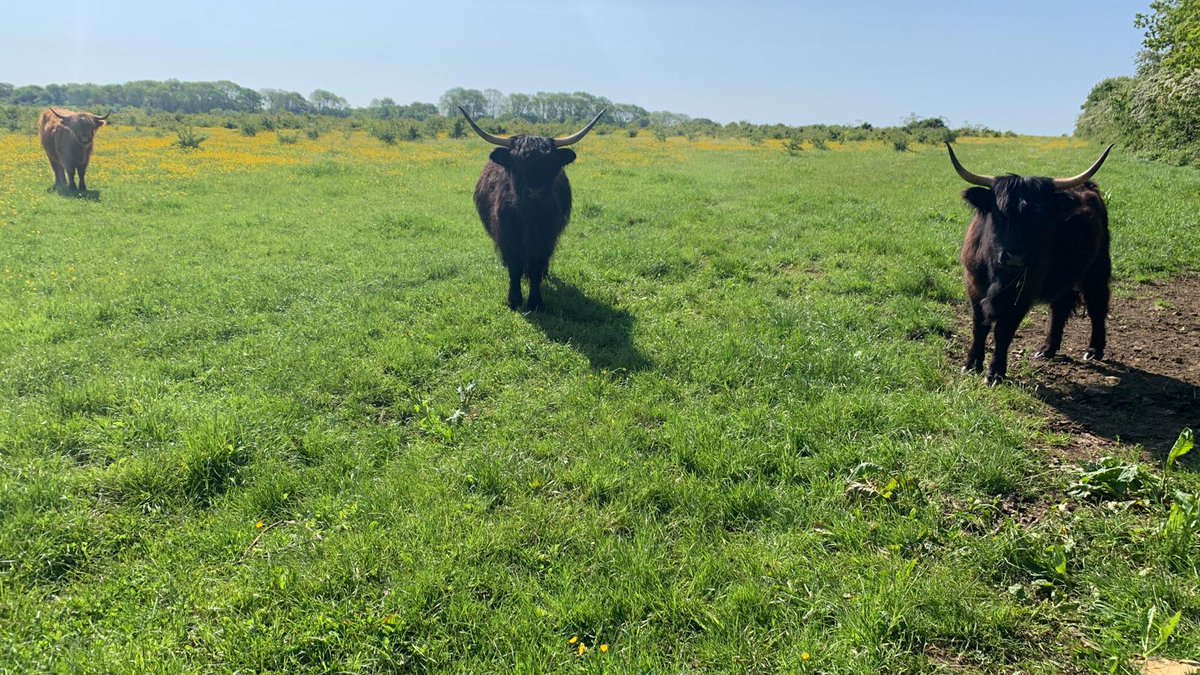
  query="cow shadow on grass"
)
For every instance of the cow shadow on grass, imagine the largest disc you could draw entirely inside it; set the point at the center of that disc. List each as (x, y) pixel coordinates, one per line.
(599, 331)
(1127, 404)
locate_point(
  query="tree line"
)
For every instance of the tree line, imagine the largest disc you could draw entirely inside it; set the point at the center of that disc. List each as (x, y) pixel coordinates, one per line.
(1157, 111)
(174, 96)
(173, 104)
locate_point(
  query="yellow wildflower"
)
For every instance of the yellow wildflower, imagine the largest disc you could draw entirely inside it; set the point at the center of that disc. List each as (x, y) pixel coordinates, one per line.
(573, 640)
(258, 525)
(604, 649)
(582, 649)
(805, 656)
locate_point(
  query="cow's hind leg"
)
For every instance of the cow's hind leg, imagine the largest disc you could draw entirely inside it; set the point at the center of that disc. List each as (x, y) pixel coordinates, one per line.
(82, 185)
(537, 272)
(71, 178)
(60, 176)
(1096, 296)
(1060, 311)
(980, 331)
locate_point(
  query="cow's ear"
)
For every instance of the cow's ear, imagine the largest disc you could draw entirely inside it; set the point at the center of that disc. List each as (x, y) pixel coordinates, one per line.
(980, 198)
(564, 156)
(501, 156)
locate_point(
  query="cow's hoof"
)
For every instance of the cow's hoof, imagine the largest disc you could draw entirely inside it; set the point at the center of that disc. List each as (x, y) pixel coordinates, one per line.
(1045, 354)
(1093, 355)
(995, 380)
(536, 306)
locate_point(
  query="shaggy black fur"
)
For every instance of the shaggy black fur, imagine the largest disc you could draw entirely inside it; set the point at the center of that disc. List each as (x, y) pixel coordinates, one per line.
(1029, 243)
(524, 201)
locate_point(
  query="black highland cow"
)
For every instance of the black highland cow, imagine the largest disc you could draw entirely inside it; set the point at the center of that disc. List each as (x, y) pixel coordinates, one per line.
(524, 201)
(1034, 240)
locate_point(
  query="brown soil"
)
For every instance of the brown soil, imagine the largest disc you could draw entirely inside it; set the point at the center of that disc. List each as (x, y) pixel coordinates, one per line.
(1147, 388)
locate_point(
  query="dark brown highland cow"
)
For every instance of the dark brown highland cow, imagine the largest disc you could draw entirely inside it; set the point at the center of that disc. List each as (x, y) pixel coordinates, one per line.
(67, 137)
(524, 201)
(1034, 240)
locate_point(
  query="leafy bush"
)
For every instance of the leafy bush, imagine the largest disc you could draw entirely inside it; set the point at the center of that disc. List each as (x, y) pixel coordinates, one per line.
(249, 129)
(187, 139)
(287, 139)
(1157, 112)
(793, 146)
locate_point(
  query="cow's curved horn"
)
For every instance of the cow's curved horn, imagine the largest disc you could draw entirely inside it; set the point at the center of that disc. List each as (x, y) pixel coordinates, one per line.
(57, 114)
(577, 136)
(105, 116)
(1076, 181)
(972, 178)
(495, 140)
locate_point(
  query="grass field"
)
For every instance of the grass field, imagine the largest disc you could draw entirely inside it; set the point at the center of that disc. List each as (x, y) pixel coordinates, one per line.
(262, 407)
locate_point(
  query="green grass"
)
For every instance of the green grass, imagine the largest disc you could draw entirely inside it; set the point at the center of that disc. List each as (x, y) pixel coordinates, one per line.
(734, 438)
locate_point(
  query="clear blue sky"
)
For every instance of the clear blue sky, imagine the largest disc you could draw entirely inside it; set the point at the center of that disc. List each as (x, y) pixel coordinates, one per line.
(1024, 65)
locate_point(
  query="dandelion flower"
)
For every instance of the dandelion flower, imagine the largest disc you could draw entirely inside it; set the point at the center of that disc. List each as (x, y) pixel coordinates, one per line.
(582, 649)
(805, 656)
(258, 525)
(604, 649)
(573, 640)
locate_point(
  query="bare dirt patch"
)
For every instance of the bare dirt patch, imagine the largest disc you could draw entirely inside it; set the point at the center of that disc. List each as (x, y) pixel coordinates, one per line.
(1147, 388)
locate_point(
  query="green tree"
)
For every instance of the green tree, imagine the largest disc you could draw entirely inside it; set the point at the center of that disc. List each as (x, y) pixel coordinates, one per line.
(328, 103)
(1172, 36)
(471, 100)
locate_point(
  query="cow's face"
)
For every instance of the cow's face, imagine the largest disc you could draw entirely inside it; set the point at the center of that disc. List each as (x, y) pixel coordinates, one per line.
(83, 126)
(1016, 215)
(533, 163)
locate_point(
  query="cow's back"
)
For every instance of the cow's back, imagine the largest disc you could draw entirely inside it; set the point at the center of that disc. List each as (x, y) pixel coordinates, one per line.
(1081, 241)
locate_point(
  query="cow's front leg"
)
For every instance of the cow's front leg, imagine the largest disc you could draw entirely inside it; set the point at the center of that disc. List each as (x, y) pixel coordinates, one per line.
(71, 178)
(514, 286)
(980, 328)
(537, 272)
(82, 185)
(1006, 328)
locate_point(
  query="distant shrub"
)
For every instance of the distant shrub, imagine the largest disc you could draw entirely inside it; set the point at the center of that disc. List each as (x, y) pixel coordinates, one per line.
(249, 129)
(660, 134)
(900, 143)
(287, 139)
(229, 124)
(632, 133)
(458, 129)
(10, 118)
(267, 123)
(819, 143)
(385, 132)
(313, 133)
(793, 146)
(187, 139)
